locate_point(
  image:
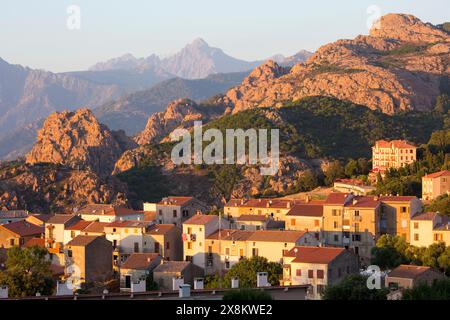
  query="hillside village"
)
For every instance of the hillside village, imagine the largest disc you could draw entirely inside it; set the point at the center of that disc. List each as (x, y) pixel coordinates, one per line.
(316, 241)
(362, 191)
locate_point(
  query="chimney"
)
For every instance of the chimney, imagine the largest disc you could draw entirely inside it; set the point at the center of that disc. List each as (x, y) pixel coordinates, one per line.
(307, 198)
(288, 204)
(355, 201)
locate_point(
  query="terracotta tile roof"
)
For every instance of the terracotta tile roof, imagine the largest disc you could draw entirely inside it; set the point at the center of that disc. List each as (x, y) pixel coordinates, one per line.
(201, 219)
(320, 255)
(355, 182)
(306, 210)
(40, 242)
(252, 217)
(149, 215)
(13, 214)
(397, 198)
(363, 202)
(424, 216)
(261, 203)
(96, 227)
(57, 270)
(65, 219)
(336, 198)
(23, 228)
(140, 261)
(128, 224)
(79, 225)
(394, 144)
(231, 234)
(41, 217)
(276, 236)
(443, 173)
(107, 210)
(175, 201)
(82, 241)
(160, 229)
(408, 271)
(172, 266)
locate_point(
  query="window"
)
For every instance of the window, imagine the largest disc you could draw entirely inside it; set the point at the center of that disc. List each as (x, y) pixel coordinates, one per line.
(292, 222)
(136, 247)
(189, 245)
(402, 209)
(334, 212)
(255, 252)
(189, 231)
(258, 227)
(320, 274)
(114, 229)
(11, 242)
(416, 225)
(336, 238)
(227, 264)
(72, 234)
(69, 253)
(200, 229)
(174, 213)
(114, 244)
(21, 241)
(310, 274)
(160, 212)
(356, 237)
(136, 231)
(316, 223)
(242, 226)
(167, 245)
(241, 252)
(356, 213)
(227, 251)
(416, 237)
(437, 237)
(298, 272)
(188, 258)
(356, 227)
(335, 224)
(126, 230)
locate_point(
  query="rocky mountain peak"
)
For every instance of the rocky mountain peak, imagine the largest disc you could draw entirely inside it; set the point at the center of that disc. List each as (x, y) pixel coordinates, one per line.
(78, 140)
(407, 28)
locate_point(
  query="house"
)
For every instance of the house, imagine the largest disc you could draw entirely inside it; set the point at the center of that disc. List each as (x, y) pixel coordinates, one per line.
(408, 276)
(174, 210)
(108, 213)
(253, 222)
(195, 231)
(318, 267)
(138, 267)
(306, 217)
(87, 259)
(392, 154)
(17, 233)
(38, 219)
(396, 214)
(55, 226)
(165, 239)
(355, 186)
(128, 237)
(428, 228)
(164, 274)
(273, 208)
(435, 184)
(8, 216)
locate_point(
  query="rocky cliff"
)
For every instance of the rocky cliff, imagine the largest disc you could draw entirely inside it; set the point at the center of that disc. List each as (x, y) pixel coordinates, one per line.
(78, 140)
(399, 66)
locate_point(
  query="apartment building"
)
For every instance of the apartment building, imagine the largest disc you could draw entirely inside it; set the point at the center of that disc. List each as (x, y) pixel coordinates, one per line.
(317, 267)
(55, 226)
(252, 222)
(435, 184)
(195, 231)
(352, 222)
(138, 267)
(355, 186)
(428, 228)
(273, 208)
(174, 210)
(8, 216)
(109, 213)
(392, 154)
(408, 276)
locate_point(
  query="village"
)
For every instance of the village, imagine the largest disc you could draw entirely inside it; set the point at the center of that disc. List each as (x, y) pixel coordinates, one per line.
(176, 248)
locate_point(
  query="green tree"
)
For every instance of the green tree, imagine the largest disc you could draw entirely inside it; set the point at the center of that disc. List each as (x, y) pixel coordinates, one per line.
(442, 103)
(333, 172)
(246, 294)
(246, 270)
(354, 287)
(441, 204)
(389, 252)
(438, 290)
(351, 168)
(27, 272)
(308, 181)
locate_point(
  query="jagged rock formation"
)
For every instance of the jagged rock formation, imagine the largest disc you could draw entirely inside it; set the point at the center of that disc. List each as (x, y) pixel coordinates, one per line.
(179, 114)
(50, 188)
(399, 66)
(78, 140)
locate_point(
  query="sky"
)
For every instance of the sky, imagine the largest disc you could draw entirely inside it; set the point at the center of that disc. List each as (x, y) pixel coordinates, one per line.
(44, 35)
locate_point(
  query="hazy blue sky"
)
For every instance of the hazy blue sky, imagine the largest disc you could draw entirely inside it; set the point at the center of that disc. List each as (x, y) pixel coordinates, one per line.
(34, 33)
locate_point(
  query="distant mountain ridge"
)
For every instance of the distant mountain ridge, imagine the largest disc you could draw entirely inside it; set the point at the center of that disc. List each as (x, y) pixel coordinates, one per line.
(197, 60)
